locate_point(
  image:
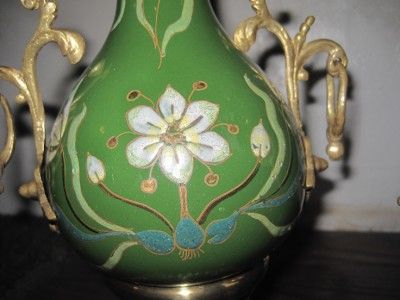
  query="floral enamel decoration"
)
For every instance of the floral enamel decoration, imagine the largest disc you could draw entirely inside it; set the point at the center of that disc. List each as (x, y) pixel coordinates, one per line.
(171, 134)
(95, 169)
(176, 136)
(260, 143)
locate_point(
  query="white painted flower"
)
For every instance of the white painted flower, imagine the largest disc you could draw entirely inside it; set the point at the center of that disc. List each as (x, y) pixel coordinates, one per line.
(175, 137)
(95, 169)
(260, 143)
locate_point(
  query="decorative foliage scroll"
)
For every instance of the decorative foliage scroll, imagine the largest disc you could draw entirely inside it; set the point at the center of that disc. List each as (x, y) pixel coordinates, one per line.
(72, 45)
(297, 53)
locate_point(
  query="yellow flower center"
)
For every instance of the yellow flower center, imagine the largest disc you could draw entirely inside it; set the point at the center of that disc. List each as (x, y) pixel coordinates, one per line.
(173, 138)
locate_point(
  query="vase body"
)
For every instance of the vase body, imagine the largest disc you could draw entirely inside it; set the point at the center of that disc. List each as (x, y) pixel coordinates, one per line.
(174, 160)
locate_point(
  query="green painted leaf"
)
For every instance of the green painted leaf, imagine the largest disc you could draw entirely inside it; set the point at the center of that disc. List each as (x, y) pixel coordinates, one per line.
(120, 15)
(273, 229)
(116, 256)
(282, 147)
(76, 180)
(142, 17)
(179, 26)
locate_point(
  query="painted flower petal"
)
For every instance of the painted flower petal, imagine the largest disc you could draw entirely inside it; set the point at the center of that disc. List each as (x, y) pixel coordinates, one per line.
(172, 105)
(142, 151)
(209, 147)
(145, 120)
(95, 169)
(260, 143)
(176, 163)
(199, 116)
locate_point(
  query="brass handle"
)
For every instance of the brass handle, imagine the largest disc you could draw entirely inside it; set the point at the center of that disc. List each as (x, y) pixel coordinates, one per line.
(8, 148)
(297, 52)
(72, 45)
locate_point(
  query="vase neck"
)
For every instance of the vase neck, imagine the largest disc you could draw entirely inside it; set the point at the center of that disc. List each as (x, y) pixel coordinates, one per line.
(156, 13)
(163, 32)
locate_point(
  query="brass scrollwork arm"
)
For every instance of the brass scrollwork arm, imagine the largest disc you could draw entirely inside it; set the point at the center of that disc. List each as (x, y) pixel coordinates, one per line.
(72, 46)
(8, 148)
(297, 52)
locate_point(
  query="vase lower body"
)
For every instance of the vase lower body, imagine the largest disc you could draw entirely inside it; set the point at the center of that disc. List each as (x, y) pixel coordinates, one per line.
(238, 286)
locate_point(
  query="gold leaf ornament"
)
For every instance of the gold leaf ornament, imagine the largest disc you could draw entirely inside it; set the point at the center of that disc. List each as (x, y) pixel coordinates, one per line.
(32, 4)
(71, 45)
(297, 52)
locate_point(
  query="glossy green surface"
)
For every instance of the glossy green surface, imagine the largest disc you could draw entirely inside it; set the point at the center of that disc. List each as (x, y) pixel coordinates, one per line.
(128, 240)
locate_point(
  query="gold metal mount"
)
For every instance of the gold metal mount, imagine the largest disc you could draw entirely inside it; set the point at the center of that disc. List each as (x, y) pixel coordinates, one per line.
(235, 287)
(297, 53)
(72, 45)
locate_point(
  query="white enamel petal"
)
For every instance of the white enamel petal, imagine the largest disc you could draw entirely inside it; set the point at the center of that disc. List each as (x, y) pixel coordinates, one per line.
(199, 116)
(172, 105)
(95, 169)
(142, 151)
(176, 163)
(145, 120)
(260, 143)
(209, 147)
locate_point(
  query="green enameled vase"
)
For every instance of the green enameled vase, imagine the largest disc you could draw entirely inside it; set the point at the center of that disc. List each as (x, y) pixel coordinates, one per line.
(174, 162)
(175, 166)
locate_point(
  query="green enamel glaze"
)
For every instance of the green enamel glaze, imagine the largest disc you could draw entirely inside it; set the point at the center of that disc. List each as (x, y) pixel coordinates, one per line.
(272, 117)
(76, 181)
(120, 14)
(117, 255)
(222, 188)
(142, 17)
(273, 229)
(179, 26)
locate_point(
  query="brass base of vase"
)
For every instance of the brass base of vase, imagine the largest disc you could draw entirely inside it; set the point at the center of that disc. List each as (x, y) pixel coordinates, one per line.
(239, 286)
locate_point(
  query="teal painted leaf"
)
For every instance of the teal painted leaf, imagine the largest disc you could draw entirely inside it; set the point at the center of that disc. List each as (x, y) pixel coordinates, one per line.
(188, 234)
(85, 236)
(155, 241)
(221, 230)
